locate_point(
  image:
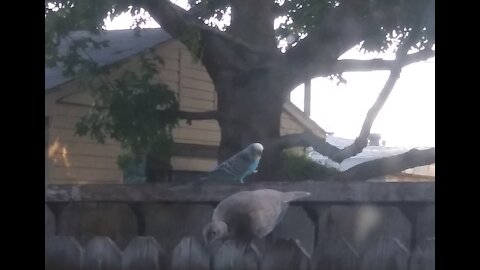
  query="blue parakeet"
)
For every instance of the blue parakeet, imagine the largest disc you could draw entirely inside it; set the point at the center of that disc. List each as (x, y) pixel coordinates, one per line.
(235, 169)
(239, 166)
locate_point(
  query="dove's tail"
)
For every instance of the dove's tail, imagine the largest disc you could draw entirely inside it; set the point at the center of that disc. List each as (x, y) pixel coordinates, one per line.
(294, 195)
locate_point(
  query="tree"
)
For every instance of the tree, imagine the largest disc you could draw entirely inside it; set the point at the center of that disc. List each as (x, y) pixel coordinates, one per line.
(253, 77)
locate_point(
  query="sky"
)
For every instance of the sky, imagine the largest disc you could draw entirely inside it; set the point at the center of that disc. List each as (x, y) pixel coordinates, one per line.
(406, 120)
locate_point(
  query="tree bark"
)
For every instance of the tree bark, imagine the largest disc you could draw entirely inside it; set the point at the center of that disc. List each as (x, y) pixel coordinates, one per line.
(248, 113)
(253, 80)
(389, 165)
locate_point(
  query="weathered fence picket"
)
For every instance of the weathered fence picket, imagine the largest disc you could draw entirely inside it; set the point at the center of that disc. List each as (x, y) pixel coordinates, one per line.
(284, 255)
(335, 253)
(235, 255)
(62, 252)
(385, 254)
(423, 257)
(143, 253)
(86, 220)
(189, 254)
(169, 223)
(49, 221)
(101, 253)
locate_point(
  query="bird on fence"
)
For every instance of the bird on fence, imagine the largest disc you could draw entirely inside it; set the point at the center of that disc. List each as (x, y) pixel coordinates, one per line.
(247, 215)
(234, 169)
(239, 166)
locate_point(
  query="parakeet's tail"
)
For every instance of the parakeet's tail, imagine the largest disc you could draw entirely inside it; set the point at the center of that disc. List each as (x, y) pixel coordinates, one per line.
(193, 184)
(200, 181)
(294, 195)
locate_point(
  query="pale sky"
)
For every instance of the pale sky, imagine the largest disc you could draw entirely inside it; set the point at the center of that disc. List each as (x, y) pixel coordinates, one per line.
(406, 120)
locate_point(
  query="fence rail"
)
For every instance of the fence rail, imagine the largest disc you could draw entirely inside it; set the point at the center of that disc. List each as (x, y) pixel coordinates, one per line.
(321, 192)
(341, 226)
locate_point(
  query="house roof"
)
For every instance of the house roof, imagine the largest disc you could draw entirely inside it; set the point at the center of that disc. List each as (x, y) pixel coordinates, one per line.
(122, 44)
(305, 121)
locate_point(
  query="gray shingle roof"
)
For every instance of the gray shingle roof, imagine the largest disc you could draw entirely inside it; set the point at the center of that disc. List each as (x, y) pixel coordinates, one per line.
(122, 44)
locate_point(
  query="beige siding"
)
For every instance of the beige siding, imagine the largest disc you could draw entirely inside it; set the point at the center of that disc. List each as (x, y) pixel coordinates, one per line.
(193, 164)
(87, 149)
(170, 64)
(289, 126)
(169, 50)
(196, 93)
(84, 161)
(78, 98)
(210, 125)
(197, 84)
(168, 76)
(188, 61)
(68, 136)
(83, 175)
(74, 159)
(196, 104)
(197, 134)
(199, 95)
(73, 110)
(190, 73)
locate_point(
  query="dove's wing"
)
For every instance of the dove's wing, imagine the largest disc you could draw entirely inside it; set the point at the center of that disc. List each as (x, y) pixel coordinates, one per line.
(251, 213)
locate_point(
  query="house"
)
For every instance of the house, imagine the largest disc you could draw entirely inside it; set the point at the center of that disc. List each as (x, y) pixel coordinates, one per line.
(72, 159)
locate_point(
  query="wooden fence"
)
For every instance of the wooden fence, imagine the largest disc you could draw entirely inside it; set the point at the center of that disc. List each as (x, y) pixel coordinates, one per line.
(341, 226)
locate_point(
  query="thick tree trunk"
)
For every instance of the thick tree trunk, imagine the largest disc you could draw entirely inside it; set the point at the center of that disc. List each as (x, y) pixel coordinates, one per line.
(250, 89)
(250, 108)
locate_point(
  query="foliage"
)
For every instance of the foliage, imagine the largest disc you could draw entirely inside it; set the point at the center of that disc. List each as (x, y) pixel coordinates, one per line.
(133, 110)
(130, 107)
(140, 113)
(386, 20)
(298, 167)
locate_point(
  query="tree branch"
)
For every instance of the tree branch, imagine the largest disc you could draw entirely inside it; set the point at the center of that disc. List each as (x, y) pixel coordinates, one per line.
(389, 165)
(352, 65)
(340, 30)
(189, 116)
(178, 21)
(363, 171)
(338, 155)
(170, 16)
(362, 140)
(334, 153)
(320, 145)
